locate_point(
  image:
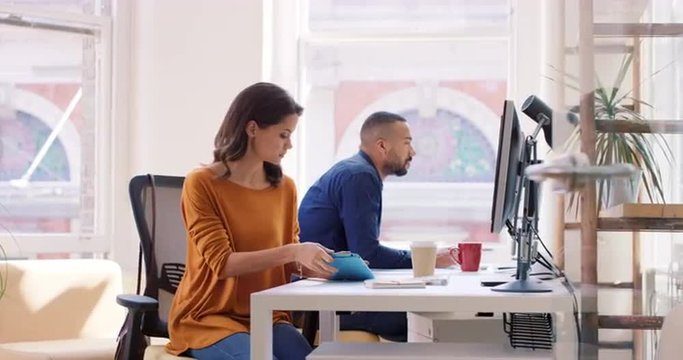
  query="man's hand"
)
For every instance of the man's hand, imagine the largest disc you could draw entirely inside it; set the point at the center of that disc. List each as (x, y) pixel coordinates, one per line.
(445, 259)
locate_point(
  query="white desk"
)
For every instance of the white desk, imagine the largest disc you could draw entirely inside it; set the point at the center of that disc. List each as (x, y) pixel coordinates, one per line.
(462, 294)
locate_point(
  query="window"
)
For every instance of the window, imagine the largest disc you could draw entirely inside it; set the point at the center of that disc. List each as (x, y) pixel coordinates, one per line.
(441, 64)
(54, 127)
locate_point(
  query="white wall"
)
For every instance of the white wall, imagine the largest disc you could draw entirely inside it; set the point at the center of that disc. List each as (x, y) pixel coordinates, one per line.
(190, 59)
(178, 66)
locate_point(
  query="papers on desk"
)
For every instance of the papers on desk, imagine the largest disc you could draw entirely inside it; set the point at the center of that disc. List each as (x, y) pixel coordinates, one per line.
(405, 283)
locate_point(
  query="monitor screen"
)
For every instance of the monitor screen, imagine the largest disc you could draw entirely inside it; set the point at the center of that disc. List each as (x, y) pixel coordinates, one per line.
(510, 143)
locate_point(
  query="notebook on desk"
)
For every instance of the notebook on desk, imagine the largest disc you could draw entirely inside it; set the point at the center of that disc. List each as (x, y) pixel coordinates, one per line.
(406, 283)
(395, 283)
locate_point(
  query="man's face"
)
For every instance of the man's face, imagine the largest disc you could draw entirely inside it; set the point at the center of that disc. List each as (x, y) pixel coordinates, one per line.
(400, 150)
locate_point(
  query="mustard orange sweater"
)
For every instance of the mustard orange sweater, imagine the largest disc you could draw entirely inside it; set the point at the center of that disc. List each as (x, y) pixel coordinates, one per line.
(222, 217)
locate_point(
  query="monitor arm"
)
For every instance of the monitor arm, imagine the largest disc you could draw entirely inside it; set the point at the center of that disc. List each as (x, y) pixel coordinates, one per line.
(524, 234)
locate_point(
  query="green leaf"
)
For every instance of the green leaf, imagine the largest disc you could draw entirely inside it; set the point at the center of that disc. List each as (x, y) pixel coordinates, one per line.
(614, 103)
(571, 86)
(623, 70)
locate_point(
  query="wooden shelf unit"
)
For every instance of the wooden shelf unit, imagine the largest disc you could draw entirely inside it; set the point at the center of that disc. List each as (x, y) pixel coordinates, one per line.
(638, 217)
(634, 224)
(642, 127)
(637, 29)
(633, 322)
(590, 224)
(643, 210)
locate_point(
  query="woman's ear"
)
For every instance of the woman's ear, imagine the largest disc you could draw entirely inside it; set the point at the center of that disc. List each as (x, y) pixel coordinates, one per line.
(251, 128)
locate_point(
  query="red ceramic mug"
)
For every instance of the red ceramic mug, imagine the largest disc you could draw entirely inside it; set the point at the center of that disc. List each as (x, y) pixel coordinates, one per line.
(468, 255)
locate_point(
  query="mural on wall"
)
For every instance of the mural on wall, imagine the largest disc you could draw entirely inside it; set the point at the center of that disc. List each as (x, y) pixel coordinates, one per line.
(21, 137)
(50, 202)
(449, 149)
(455, 148)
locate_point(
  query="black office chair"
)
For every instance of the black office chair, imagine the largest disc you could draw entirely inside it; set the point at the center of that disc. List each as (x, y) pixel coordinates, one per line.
(309, 323)
(155, 200)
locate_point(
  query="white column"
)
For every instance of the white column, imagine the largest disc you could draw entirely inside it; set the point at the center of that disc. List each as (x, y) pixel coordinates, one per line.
(179, 66)
(319, 135)
(123, 245)
(552, 93)
(525, 76)
(281, 66)
(190, 60)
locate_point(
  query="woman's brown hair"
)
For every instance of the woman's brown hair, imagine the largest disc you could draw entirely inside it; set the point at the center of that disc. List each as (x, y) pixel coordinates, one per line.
(265, 103)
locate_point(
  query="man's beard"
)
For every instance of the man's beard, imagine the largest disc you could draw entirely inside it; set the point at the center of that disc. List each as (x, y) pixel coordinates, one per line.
(401, 172)
(397, 169)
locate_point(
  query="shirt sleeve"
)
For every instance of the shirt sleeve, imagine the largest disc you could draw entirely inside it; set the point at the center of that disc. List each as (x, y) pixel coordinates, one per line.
(203, 225)
(360, 201)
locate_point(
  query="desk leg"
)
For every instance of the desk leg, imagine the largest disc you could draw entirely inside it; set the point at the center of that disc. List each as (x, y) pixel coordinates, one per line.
(566, 346)
(261, 330)
(329, 326)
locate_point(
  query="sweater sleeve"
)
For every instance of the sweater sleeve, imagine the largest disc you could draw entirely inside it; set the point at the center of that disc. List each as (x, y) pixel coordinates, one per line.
(360, 210)
(204, 227)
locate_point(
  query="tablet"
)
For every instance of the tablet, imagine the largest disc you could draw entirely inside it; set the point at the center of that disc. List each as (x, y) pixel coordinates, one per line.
(350, 267)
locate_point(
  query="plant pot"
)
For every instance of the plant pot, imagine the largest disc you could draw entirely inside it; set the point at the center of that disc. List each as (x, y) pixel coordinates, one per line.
(622, 190)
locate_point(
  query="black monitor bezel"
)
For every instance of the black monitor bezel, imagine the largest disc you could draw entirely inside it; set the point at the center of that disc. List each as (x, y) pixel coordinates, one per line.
(504, 204)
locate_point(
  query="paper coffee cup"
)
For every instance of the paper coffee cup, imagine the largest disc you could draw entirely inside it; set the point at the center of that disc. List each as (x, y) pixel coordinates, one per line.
(424, 258)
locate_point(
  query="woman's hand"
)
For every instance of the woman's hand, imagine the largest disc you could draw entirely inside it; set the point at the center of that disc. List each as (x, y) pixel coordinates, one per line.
(315, 258)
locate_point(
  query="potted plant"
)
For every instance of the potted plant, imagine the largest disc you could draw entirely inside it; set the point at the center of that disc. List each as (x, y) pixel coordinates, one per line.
(615, 103)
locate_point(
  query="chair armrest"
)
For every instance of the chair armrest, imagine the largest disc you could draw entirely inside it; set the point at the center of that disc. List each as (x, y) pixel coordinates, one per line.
(136, 303)
(131, 340)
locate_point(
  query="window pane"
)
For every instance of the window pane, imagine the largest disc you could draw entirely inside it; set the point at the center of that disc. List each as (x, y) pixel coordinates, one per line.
(47, 132)
(89, 7)
(634, 11)
(409, 16)
(451, 92)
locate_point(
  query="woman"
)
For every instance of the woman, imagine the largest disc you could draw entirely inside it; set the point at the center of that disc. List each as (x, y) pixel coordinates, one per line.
(242, 233)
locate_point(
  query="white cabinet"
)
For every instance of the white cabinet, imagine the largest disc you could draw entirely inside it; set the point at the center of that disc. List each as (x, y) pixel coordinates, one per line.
(456, 327)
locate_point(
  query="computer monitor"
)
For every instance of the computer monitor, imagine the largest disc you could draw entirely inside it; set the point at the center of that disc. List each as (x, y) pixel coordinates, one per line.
(515, 153)
(510, 144)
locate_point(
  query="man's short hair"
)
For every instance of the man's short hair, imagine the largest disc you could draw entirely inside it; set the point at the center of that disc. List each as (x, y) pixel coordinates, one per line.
(377, 120)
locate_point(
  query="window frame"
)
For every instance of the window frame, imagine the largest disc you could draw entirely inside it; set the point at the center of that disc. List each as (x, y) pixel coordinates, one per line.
(308, 37)
(100, 28)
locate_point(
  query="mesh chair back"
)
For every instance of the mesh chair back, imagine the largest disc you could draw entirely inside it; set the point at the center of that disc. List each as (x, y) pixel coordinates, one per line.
(156, 208)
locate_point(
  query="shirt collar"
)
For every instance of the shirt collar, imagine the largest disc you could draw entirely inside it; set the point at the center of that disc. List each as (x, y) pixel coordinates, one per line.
(367, 159)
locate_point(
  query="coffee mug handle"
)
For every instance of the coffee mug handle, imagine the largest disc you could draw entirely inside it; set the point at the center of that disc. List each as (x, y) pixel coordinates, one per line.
(455, 254)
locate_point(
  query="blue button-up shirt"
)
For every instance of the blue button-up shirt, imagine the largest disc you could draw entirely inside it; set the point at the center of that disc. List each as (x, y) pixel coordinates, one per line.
(343, 211)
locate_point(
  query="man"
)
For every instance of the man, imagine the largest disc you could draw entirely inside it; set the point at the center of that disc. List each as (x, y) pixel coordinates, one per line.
(343, 211)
